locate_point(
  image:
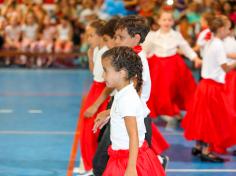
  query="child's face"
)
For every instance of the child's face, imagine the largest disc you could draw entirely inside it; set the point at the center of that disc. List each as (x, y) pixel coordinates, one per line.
(30, 19)
(166, 21)
(203, 22)
(93, 38)
(110, 75)
(223, 31)
(122, 38)
(108, 41)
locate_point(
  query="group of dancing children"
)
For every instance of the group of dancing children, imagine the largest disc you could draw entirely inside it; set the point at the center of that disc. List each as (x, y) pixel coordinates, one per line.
(139, 75)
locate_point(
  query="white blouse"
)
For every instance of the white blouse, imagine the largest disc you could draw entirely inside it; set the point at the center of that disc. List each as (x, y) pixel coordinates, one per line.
(97, 60)
(214, 56)
(127, 103)
(166, 44)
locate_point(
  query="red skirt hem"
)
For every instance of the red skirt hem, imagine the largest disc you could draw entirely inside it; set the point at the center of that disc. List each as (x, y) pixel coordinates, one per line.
(209, 119)
(147, 162)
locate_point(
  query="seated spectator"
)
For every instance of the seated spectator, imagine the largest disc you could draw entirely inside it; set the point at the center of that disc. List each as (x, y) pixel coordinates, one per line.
(64, 36)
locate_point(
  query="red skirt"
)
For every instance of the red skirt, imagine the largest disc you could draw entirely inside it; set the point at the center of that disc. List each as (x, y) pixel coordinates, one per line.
(209, 119)
(173, 86)
(147, 163)
(89, 140)
(159, 144)
(231, 89)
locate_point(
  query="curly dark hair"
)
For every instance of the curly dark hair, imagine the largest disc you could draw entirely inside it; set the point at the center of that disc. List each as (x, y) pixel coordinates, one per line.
(125, 58)
(135, 25)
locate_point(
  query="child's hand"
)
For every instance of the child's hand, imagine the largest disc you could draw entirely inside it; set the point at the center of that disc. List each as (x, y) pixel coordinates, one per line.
(131, 171)
(197, 62)
(90, 111)
(101, 120)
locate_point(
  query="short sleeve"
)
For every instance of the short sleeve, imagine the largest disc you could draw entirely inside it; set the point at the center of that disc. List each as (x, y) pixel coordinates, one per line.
(128, 107)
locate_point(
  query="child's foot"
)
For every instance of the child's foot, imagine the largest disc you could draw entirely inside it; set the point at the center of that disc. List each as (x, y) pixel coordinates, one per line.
(164, 160)
(171, 122)
(86, 173)
(210, 157)
(196, 151)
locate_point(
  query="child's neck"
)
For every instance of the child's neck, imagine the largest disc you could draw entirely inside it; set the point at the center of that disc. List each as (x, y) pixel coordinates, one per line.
(217, 35)
(164, 31)
(122, 85)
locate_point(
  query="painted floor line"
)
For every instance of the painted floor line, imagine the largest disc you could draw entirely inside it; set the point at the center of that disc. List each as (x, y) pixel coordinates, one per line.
(39, 94)
(53, 132)
(202, 170)
(35, 111)
(10, 132)
(6, 111)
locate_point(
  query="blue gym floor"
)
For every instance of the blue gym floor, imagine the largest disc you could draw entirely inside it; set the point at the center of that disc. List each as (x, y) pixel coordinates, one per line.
(38, 117)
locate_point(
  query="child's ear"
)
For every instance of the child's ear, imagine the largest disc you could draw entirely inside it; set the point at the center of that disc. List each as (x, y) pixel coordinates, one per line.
(137, 38)
(123, 73)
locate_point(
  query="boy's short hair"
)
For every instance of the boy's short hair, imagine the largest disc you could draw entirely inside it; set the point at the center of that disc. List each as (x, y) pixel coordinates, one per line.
(135, 25)
(109, 27)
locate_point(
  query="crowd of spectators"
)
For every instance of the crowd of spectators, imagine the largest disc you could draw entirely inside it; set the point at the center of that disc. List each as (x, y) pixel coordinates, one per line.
(57, 26)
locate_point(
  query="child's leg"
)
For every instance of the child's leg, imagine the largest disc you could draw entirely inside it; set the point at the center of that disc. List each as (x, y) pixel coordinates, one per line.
(68, 47)
(58, 46)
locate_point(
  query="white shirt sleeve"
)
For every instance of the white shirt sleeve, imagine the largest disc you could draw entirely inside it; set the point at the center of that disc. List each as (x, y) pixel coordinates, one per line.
(185, 47)
(127, 107)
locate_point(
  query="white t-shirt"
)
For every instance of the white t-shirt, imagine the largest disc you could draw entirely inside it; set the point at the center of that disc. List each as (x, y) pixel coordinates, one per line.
(165, 45)
(30, 31)
(201, 41)
(63, 32)
(230, 47)
(13, 33)
(127, 103)
(214, 57)
(97, 60)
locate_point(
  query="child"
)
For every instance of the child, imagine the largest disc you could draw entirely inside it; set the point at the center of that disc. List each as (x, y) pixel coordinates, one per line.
(172, 82)
(46, 42)
(131, 31)
(129, 152)
(205, 35)
(64, 36)
(12, 36)
(230, 80)
(230, 49)
(209, 121)
(88, 140)
(29, 34)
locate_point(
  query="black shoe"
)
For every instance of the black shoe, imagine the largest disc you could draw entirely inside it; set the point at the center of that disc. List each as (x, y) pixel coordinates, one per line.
(234, 153)
(165, 161)
(211, 158)
(196, 151)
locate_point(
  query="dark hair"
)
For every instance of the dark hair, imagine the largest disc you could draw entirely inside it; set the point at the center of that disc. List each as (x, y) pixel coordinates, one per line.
(98, 26)
(216, 23)
(135, 25)
(109, 27)
(125, 58)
